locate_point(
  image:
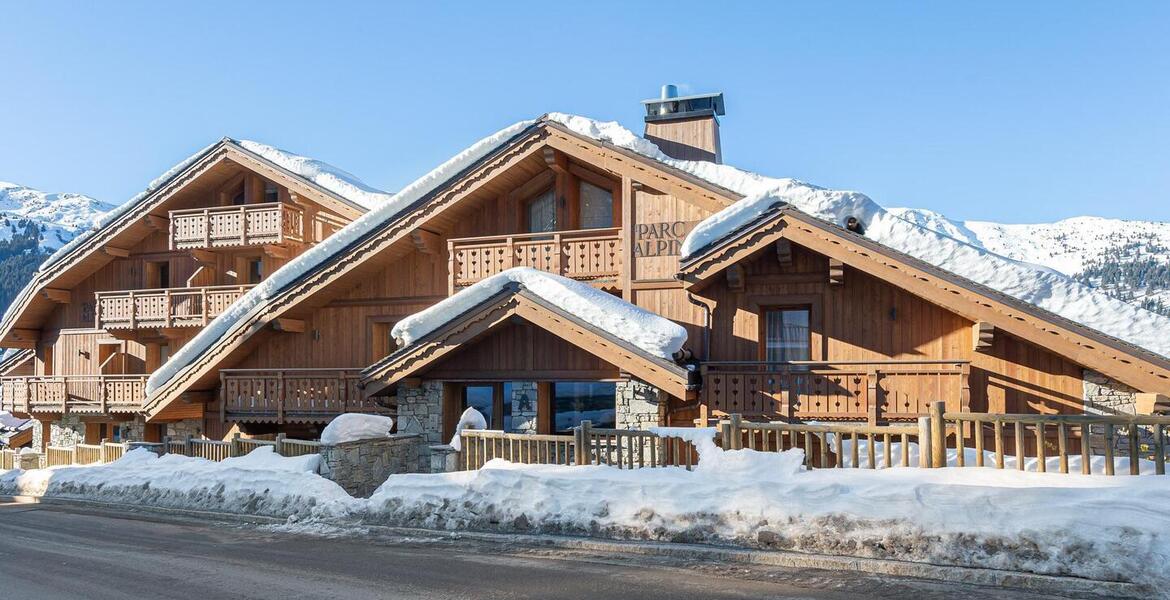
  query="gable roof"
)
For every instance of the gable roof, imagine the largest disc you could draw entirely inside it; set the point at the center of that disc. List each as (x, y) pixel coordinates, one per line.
(590, 319)
(317, 180)
(975, 301)
(390, 223)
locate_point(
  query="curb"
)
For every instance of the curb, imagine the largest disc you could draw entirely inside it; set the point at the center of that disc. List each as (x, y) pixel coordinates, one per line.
(1048, 584)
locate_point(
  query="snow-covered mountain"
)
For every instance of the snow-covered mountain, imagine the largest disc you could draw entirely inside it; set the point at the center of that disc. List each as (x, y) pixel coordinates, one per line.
(58, 217)
(1128, 259)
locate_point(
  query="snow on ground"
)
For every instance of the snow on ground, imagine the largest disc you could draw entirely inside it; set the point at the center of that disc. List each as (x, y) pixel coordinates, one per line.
(351, 427)
(1111, 528)
(650, 332)
(261, 482)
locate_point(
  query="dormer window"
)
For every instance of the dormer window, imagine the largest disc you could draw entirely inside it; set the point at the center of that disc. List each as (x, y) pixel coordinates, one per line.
(542, 213)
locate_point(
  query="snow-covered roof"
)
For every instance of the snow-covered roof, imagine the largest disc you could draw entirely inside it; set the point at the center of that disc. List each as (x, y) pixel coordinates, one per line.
(633, 324)
(1036, 285)
(318, 173)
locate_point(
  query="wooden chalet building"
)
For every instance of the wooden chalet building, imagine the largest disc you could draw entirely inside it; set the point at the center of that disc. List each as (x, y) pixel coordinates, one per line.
(787, 315)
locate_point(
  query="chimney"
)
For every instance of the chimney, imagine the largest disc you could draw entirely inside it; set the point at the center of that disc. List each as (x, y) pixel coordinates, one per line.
(685, 127)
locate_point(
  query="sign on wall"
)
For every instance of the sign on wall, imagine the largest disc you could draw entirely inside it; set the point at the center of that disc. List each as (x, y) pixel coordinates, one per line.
(660, 239)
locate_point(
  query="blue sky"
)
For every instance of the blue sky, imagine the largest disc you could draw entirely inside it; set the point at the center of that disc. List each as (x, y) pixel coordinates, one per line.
(1008, 111)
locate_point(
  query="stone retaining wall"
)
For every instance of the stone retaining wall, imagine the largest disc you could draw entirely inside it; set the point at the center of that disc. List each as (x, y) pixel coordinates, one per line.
(360, 467)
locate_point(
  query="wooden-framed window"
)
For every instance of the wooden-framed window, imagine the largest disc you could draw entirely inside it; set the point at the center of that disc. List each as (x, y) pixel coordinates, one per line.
(596, 206)
(255, 270)
(157, 274)
(492, 399)
(786, 333)
(576, 401)
(382, 336)
(271, 192)
(541, 212)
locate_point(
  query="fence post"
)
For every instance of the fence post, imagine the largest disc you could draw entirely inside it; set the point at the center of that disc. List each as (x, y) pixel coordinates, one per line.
(234, 450)
(725, 435)
(101, 451)
(190, 446)
(736, 434)
(938, 434)
(578, 446)
(166, 445)
(279, 448)
(924, 445)
(587, 442)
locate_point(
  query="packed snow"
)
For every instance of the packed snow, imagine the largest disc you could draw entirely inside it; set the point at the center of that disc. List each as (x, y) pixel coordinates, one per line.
(1109, 528)
(642, 328)
(351, 427)
(471, 419)
(321, 254)
(1042, 287)
(323, 174)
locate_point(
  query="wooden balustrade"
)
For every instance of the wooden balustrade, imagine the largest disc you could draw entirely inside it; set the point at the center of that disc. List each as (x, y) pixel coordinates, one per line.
(236, 226)
(86, 394)
(478, 447)
(588, 255)
(829, 445)
(162, 308)
(292, 395)
(632, 449)
(848, 391)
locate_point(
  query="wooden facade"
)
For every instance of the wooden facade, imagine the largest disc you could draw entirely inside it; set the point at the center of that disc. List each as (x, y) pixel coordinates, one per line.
(881, 345)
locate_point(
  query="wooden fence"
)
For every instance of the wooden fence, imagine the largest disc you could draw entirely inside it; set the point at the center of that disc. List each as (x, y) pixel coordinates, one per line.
(829, 445)
(7, 459)
(106, 451)
(620, 448)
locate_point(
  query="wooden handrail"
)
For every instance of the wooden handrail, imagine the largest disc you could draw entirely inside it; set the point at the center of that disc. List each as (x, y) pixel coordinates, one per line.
(163, 307)
(233, 225)
(584, 254)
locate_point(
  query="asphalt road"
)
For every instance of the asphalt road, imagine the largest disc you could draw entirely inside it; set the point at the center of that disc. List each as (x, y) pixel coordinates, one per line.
(50, 552)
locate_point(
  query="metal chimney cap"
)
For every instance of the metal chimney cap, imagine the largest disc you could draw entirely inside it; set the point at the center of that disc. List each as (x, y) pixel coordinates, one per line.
(677, 107)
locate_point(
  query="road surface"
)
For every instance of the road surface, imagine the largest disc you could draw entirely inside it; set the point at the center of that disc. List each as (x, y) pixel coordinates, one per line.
(51, 552)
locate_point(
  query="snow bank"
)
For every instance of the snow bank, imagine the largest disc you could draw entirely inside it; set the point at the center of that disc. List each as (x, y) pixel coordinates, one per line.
(1036, 285)
(261, 482)
(323, 174)
(325, 251)
(646, 330)
(469, 420)
(351, 427)
(1110, 528)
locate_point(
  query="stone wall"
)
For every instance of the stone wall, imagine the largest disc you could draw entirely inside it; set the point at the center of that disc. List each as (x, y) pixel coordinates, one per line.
(184, 428)
(1104, 396)
(133, 430)
(523, 407)
(360, 467)
(637, 405)
(69, 431)
(420, 410)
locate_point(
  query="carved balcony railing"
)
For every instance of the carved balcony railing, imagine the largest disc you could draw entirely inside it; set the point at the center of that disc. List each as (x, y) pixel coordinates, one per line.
(587, 255)
(83, 394)
(162, 308)
(846, 391)
(292, 395)
(236, 226)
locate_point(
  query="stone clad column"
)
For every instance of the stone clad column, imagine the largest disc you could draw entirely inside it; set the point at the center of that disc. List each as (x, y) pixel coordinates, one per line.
(523, 406)
(420, 410)
(636, 405)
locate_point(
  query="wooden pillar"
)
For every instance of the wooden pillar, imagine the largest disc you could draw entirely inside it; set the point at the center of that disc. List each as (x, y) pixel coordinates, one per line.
(938, 434)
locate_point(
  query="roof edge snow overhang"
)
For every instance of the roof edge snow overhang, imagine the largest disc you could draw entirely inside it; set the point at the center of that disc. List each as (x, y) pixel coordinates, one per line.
(225, 149)
(290, 295)
(1084, 345)
(515, 301)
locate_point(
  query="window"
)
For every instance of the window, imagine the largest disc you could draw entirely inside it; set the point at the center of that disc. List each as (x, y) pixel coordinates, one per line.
(271, 193)
(576, 401)
(158, 274)
(786, 334)
(596, 206)
(492, 400)
(255, 270)
(239, 198)
(481, 398)
(542, 213)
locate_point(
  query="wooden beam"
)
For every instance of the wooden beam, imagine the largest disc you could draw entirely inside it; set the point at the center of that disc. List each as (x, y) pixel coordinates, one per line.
(198, 397)
(784, 252)
(25, 335)
(427, 242)
(836, 272)
(289, 325)
(1152, 404)
(736, 280)
(205, 258)
(983, 336)
(533, 186)
(157, 223)
(115, 251)
(281, 252)
(556, 161)
(57, 295)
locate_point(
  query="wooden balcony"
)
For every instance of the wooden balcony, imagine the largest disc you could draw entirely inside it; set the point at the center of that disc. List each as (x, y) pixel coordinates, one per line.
(292, 395)
(164, 308)
(83, 394)
(842, 391)
(587, 255)
(271, 223)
